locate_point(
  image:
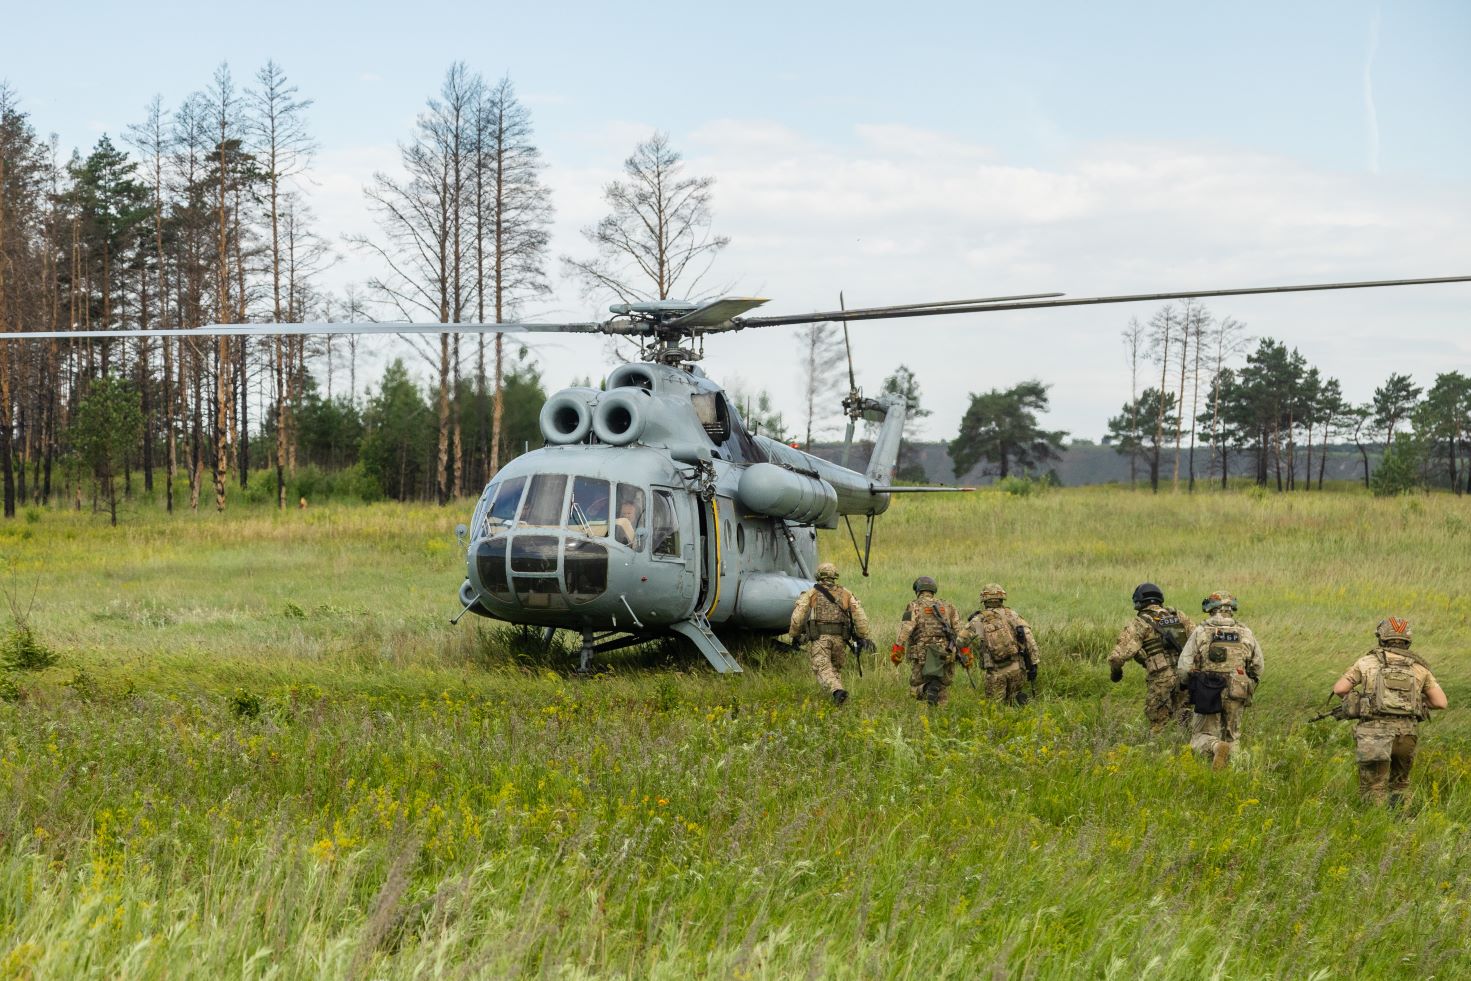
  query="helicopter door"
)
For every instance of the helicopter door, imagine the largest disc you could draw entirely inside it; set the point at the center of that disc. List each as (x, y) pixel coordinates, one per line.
(672, 544)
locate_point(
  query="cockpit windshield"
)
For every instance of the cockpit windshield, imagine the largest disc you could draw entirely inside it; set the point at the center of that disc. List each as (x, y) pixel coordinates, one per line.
(590, 506)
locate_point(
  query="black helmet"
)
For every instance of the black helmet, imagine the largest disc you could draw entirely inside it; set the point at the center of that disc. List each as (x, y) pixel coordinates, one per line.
(1146, 593)
(926, 584)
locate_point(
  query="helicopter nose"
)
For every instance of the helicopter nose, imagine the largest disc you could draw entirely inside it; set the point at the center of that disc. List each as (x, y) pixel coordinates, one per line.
(534, 570)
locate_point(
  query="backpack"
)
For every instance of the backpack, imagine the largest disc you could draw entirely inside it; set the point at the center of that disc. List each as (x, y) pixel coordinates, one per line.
(1396, 690)
(998, 637)
(1166, 638)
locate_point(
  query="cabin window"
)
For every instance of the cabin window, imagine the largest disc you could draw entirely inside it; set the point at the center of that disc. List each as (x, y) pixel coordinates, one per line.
(586, 567)
(587, 511)
(490, 563)
(628, 527)
(666, 526)
(503, 508)
(534, 553)
(741, 539)
(544, 500)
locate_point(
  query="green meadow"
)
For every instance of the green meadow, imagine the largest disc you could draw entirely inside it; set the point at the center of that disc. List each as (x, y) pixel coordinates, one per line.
(263, 752)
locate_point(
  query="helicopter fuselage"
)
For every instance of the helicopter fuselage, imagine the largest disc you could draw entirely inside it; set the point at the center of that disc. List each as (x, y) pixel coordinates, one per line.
(652, 510)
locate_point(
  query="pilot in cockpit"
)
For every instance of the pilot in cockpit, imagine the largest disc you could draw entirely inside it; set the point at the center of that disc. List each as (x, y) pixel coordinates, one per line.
(630, 516)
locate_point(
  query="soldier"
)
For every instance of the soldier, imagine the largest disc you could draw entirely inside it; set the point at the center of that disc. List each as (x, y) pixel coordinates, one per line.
(1220, 666)
(928, 635)
(1004, 641)
(827, 616)
(1154, 638)
(1396, 692)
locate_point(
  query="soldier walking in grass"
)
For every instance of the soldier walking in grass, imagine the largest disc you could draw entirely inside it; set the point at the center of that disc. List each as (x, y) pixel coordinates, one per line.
(1005, 645)
(1391, 691)
(929, 635)
(1221, 666)
(1154, 638)
(829, 617)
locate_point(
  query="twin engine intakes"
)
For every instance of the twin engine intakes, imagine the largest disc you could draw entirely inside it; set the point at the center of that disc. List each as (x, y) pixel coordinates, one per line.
(617, 418)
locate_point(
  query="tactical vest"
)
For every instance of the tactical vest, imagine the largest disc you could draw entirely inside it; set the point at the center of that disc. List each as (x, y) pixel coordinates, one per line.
(996, 635)
(926, 615)
(1227, 653)
(1396, 691)
(826, 618)
(1166, 622)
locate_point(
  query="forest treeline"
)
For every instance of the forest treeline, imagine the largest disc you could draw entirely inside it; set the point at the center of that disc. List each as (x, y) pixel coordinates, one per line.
(1219, 396)
(199, 216)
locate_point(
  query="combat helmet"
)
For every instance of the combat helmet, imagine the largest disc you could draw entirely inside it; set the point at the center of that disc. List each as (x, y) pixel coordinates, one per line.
(1217, 600)
(926, 584)
(1393, 630)
(992, 594)
(1146, 593)
(827, 571)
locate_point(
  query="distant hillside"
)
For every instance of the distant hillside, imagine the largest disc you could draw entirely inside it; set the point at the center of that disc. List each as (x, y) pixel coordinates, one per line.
(1092, 463)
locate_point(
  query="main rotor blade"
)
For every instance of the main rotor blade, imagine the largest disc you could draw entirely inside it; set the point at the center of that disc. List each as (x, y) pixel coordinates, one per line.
(935, 310)
(869, 313)
(296, 329)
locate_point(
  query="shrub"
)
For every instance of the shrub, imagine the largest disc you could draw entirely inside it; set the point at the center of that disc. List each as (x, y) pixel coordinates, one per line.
(23, 652)
(1399, 471)
(245, 704)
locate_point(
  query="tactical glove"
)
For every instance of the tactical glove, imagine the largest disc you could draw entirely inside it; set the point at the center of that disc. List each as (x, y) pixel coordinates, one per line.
(1116, 673)
(866, 646)
(1031, 672)
(896, 654)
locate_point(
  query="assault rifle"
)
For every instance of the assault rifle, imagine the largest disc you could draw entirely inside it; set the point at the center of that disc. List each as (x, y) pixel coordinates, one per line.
(950, 643)
(1348, 707)
(1027, 661)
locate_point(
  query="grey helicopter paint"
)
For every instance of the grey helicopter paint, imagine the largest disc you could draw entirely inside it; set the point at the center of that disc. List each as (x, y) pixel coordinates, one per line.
(651, 510)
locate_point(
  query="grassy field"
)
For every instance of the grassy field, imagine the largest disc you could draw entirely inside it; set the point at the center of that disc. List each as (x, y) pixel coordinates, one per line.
(265, 753)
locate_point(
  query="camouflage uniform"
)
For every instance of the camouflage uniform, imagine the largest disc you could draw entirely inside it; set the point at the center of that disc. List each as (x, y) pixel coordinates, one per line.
(827, 625)
(921, 637)
(992, 632)
(1143, 641)
(1225, 650)
(1386, 738)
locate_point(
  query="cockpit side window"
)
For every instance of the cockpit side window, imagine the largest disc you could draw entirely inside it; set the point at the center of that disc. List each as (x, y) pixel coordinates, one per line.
(544, 500)
(666, 525)
(503, 509)
(587, 511)
(628, 526)
(714, 415)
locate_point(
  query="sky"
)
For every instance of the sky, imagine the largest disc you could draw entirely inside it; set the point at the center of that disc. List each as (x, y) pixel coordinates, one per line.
(904, 153)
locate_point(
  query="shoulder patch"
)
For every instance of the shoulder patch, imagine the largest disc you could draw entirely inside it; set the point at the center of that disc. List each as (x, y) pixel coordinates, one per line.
(908, 614)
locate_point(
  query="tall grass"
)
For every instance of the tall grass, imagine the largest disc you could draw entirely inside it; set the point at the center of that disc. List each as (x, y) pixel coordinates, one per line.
(280, 760)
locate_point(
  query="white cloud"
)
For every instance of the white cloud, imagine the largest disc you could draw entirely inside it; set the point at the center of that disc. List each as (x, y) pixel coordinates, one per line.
(887, 223)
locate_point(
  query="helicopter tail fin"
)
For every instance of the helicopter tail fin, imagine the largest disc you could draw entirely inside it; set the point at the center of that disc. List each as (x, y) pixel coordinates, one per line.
(880, 469)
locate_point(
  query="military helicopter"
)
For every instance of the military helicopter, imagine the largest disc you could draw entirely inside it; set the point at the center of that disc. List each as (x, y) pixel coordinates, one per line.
(652, 510)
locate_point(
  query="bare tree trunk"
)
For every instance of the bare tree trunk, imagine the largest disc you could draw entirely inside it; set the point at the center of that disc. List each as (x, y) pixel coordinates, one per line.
(1166, 329)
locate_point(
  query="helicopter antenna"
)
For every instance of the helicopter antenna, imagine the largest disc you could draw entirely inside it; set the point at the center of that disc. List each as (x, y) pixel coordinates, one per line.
(854, 397)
